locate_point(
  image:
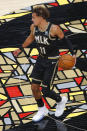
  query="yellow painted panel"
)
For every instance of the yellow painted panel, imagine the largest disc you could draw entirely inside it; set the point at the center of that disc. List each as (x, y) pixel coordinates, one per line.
(8, 49)
(34, 52)
(71, 98)
(3, 81)
(83, 20)
(76, 93)
(3, 97)
(83, 101)
(67, 23)
(7, 71)
(63, 2)
(13, 15)
(30, 108)
(30, 79)
(14, 66)
(75, 114)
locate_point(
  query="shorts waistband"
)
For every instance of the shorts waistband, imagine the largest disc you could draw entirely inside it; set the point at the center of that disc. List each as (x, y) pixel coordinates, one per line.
(49, 57)
(53, 57)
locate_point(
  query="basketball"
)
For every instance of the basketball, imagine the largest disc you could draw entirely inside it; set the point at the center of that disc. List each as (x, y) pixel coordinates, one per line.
(66, 62)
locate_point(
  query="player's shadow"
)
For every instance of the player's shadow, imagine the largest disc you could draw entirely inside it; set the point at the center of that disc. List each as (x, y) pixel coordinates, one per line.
(50, 124)
(47, 124)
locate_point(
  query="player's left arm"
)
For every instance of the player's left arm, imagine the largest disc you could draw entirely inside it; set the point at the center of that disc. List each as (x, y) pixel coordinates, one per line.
(56, 31)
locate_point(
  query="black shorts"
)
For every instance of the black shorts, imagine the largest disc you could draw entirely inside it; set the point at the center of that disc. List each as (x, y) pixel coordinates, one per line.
(44, 71)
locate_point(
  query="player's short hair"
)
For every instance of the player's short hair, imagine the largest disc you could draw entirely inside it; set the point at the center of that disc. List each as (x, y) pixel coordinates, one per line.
(41, 11)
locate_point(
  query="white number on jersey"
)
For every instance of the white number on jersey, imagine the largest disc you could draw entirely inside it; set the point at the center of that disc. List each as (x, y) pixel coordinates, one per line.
(42, 49)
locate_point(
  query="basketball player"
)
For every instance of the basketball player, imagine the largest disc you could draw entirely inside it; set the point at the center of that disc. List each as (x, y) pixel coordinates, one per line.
(46, 36)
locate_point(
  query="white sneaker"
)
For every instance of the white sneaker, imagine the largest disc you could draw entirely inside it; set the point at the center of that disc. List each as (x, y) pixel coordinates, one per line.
(60, 107)
(42, 111)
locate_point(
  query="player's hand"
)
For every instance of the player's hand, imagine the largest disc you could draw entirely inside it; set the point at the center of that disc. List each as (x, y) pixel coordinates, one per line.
(74, 56)
(16, 52)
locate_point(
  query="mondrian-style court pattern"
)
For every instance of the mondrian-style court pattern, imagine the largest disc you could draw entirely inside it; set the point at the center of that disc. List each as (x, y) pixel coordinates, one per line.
(17, 104)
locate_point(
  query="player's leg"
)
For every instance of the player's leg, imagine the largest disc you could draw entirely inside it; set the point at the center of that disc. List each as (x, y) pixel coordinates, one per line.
(49, 75)
(42, 110)
(36, 75)
(36, 91)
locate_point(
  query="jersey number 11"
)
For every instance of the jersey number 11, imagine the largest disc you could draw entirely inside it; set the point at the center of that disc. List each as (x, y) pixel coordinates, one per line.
(42, 49)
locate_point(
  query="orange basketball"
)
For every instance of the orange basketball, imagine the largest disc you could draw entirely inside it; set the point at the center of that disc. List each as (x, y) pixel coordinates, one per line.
(66, 62)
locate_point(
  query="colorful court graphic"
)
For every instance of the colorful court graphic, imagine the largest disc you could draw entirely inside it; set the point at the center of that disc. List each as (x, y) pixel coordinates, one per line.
(17, 104)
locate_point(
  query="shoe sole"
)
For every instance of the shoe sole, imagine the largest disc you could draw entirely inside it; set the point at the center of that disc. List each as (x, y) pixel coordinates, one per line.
(40, 118)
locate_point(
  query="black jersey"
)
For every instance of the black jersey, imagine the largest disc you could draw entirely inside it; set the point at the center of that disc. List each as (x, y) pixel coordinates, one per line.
(46, 43)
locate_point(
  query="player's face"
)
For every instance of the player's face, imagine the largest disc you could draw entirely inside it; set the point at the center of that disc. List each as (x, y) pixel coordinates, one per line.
(36, 19)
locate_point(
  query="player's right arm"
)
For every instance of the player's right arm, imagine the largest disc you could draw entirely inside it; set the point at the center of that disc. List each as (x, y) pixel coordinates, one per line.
(27, 42)
(30, 38)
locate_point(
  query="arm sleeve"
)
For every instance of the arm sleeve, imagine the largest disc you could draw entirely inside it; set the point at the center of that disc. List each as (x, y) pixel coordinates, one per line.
(69, 44)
